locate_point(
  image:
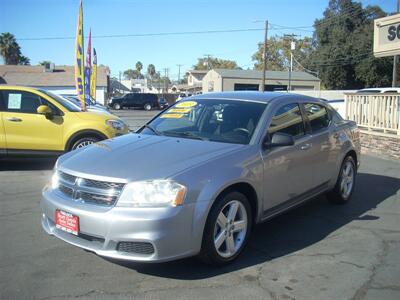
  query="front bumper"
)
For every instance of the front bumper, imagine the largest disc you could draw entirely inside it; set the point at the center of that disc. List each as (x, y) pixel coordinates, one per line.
(101, 229)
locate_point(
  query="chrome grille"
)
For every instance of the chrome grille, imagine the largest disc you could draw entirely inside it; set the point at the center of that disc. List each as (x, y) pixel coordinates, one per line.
(136, 247)
(67, 177)
(89, 190)
(66, 190)
(102, 184)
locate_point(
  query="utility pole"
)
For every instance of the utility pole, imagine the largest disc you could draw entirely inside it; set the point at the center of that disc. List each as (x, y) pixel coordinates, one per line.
(179, 72)
(395, 58)
(264, 58)
(208, 56)
(119, 87)
(292, 47)
(165, 80)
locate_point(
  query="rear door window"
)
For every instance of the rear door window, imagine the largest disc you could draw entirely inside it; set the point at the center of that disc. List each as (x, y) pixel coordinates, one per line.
(318, 116)
(287, 119)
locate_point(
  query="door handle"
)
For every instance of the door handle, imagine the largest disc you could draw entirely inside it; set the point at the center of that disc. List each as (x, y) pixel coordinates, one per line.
(14, 119)
(305, 147)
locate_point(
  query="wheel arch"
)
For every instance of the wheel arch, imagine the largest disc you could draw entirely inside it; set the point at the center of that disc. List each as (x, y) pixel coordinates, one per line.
(353, 154)
(83, 133)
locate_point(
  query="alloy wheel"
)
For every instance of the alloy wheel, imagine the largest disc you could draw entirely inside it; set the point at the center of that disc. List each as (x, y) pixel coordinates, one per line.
(347, 179)
(230, 229)
(84, 144)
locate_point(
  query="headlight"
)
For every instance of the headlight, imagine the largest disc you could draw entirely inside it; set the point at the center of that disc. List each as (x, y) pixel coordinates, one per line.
(55, 180)
(116, 124)
(152, 193)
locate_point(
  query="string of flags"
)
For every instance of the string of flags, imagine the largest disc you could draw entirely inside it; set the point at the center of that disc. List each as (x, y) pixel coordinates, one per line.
(85, 72)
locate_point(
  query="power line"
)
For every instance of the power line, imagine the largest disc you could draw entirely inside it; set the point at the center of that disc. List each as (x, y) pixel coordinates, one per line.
(145, 34)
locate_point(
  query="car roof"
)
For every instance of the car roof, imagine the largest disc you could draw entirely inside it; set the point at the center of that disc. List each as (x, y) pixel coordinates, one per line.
(264, 97)
(383, 89)
(241, 95)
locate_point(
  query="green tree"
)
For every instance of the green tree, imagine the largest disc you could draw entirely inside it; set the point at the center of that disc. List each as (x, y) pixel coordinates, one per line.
(11, 51)
(278, 53)
(44, 62)
(23, 60)
(207, 63)
(132, 74)
(343, 41)
(151, 71)
(139, 67)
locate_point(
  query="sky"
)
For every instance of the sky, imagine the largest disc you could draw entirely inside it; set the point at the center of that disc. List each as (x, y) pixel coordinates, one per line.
(31, 19)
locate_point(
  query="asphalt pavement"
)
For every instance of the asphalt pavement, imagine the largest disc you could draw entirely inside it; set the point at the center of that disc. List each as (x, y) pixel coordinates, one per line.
(317, 251)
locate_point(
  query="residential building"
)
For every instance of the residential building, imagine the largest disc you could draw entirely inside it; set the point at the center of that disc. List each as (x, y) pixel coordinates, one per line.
(218, 80)
(58, 79)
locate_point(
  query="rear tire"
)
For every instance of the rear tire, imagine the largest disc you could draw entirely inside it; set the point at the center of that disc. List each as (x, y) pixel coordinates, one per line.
(226, 232)
(83, 142)
(345, 183)
(117, 106)
(147, 106)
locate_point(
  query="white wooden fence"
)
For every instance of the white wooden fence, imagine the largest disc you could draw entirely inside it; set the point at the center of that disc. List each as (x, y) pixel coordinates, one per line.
(374, 112)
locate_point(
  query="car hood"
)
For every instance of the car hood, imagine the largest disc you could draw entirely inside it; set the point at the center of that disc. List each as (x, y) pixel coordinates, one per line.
(135, 157)
(95, 114)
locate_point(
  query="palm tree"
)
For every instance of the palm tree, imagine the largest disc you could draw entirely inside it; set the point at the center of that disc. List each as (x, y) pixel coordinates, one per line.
(139, 67)
(151, 71)
(23, 60)
(9, 49)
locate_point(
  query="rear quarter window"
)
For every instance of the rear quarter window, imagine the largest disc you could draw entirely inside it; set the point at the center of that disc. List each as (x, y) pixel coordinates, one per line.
(318, 116)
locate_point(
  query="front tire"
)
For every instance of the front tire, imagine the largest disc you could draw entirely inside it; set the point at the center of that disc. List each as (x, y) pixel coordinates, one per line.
(83, 142)
(117, 106)
(345, 183)
(227, 229)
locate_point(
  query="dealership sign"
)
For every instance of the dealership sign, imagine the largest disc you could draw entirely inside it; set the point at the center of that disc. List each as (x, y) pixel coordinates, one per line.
(387, 36)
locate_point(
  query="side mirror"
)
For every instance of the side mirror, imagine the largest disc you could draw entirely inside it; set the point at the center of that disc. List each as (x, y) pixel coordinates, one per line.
(280, 139)
(45, 110)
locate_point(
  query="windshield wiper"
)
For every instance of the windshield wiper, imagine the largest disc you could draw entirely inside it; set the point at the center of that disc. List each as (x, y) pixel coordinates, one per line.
(187, 134)
(152, 129)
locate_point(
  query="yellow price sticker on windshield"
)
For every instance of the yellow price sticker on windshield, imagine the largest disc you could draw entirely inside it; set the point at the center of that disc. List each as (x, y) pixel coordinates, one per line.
(171, 116)
(180, 110)
(186, 104)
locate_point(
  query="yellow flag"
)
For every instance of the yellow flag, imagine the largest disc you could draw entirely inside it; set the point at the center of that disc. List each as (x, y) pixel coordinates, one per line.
(93, 76)
(79, 60)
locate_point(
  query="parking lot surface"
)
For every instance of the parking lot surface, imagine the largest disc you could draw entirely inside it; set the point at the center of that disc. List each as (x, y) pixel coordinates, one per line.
(135, 118)
(317, 251)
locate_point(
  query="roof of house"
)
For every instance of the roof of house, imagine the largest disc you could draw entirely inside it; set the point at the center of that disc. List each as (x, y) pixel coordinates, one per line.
(255, 74)
(36, 76)
(198, 74)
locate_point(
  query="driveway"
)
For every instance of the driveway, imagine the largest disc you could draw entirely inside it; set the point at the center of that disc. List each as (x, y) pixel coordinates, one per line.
(318, 251)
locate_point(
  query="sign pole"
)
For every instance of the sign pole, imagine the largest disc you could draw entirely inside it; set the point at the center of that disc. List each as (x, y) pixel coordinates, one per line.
(395, 58)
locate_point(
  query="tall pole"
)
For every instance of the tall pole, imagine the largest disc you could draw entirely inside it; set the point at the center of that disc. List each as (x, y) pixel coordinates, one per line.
(264, 58)
(290, 71)
(179, 72)
(119, 87)
(395, 58)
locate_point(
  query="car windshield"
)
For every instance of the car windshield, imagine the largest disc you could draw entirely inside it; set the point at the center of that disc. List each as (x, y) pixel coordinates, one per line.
(228, 121)
(60, 100)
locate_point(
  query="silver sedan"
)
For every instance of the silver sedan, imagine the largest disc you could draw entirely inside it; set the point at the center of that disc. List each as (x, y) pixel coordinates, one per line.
(196, 178)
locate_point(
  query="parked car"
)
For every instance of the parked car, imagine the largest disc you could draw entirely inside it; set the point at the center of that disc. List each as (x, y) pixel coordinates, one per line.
(162, 103)
(38, 122)
(235, 159)
(379, 90)
(135, 100)
(89, 104)
(183, 96)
